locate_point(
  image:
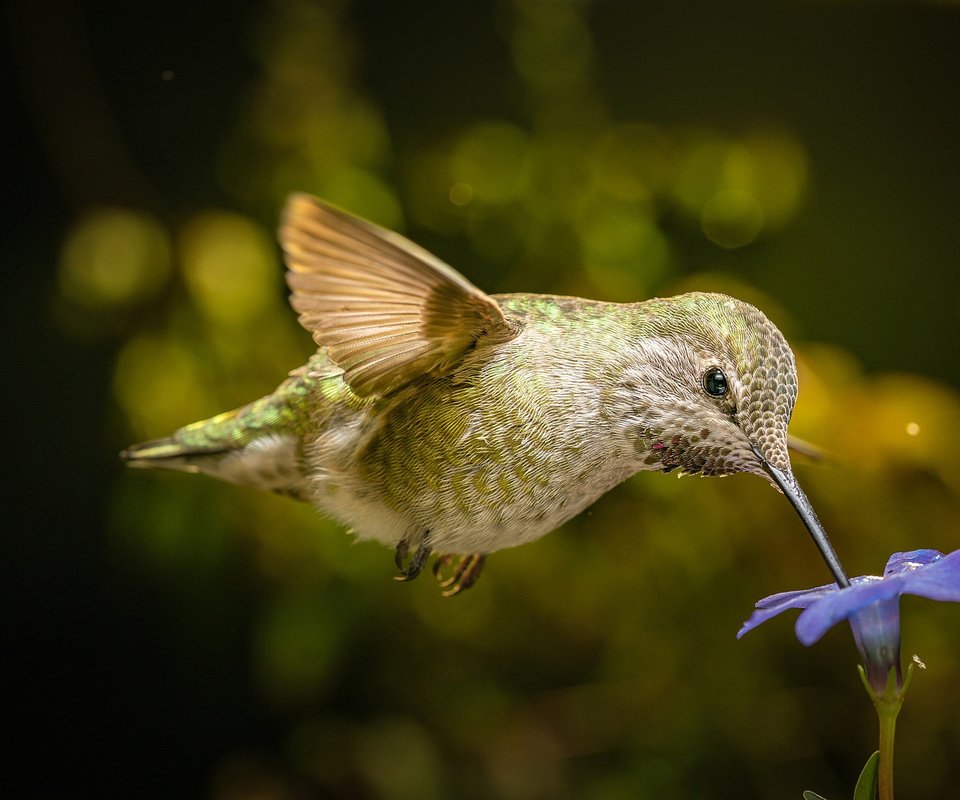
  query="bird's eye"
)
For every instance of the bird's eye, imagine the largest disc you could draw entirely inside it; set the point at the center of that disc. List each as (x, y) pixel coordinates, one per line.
(714, 382)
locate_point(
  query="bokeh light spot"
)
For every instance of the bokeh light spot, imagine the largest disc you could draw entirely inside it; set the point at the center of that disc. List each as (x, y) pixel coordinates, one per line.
(631, 160)
(779, 174)
(158, 383)
(736, 186)
(624, 251)
(552, 51)
(701, 173)
(461, 193)
(363, 193)
(492, 157)
(113, 258)
(732, 218)
(231, 267)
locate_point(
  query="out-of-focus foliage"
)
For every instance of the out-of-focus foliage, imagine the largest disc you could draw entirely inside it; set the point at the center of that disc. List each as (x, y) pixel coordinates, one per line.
(600, 662)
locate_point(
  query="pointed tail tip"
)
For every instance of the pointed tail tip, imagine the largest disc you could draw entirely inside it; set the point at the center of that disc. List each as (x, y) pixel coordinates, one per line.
(141, 455)
(169, 453)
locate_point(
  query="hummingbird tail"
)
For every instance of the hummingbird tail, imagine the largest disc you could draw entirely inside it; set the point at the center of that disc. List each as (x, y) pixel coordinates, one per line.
(168, 453)
(255, 445)
(199, 447)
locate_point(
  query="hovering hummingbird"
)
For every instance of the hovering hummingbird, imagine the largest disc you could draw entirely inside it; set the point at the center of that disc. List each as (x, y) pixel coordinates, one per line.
(437, 418)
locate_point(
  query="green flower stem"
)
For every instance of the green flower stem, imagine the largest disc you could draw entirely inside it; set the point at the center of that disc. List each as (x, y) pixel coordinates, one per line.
(887, 704)
(888, 725)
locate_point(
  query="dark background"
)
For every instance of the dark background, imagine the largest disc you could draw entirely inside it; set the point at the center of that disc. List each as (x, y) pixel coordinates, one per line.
(168, 637)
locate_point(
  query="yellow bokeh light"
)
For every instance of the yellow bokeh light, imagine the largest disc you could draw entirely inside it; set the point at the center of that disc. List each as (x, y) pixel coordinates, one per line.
(631, 160)
(493, 158)
(779, 174)
(231, 267)
(732, 218)
(737, 187)
(158, 383)
(701, 172)
(363, 193)
(461, 193)
(623, 250)
(552, 51)
(114, 257)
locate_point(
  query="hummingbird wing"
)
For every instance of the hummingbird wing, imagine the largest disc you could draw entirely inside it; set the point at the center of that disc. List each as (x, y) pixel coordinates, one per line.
(386, 310)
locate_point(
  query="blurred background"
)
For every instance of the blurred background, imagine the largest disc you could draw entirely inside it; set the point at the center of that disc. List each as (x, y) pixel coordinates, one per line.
(168, 636)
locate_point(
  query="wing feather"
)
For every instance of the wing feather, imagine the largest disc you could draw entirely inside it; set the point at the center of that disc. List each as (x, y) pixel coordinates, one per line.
(386, 310)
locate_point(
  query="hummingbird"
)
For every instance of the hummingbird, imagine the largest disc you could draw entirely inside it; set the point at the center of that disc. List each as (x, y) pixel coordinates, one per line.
(437, 419)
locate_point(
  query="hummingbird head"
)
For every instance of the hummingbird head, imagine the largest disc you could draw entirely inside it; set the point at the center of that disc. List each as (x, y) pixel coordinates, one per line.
(714, 383)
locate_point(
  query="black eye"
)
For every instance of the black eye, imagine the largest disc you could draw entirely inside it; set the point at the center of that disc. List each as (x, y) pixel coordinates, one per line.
(714, 382)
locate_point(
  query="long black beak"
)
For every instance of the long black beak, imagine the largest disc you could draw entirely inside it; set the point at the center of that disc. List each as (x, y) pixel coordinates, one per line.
(791, 489)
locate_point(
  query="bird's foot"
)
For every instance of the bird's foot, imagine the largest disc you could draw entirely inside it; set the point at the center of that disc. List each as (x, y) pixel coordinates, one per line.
(408, 565)
(465, 572)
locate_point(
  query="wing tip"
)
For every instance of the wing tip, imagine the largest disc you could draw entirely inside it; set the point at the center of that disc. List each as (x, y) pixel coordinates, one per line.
(303, 205)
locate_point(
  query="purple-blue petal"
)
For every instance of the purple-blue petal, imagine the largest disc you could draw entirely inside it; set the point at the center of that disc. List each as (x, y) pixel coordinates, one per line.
(776, 604)
(909, 561)
(876, 630)
(807, 596)
(938, 581)
(820, 617)
(926, 573)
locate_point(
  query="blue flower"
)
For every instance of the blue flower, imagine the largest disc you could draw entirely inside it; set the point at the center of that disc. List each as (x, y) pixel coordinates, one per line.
(871, 604)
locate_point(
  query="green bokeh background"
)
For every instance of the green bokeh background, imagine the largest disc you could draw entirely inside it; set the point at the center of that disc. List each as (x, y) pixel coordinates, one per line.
(168, 636)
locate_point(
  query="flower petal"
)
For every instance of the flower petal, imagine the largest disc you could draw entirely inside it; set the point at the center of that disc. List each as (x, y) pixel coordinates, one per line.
(938, 581)
(909, 561)
(876, 630)
(775, 604)
(926, 573)
(823, 615)
(808, 595)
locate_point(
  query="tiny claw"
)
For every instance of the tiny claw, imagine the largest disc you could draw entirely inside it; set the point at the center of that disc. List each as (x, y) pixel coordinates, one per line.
(465, 573)
(410, 568)
(440, 563)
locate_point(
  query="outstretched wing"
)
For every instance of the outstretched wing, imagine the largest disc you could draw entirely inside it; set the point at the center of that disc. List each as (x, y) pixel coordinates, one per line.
(386, 310)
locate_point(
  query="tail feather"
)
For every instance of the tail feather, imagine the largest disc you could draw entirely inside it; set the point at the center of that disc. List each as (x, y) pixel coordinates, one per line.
(269, 460)
(168, 453)
(260, 444)
(211, 437)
